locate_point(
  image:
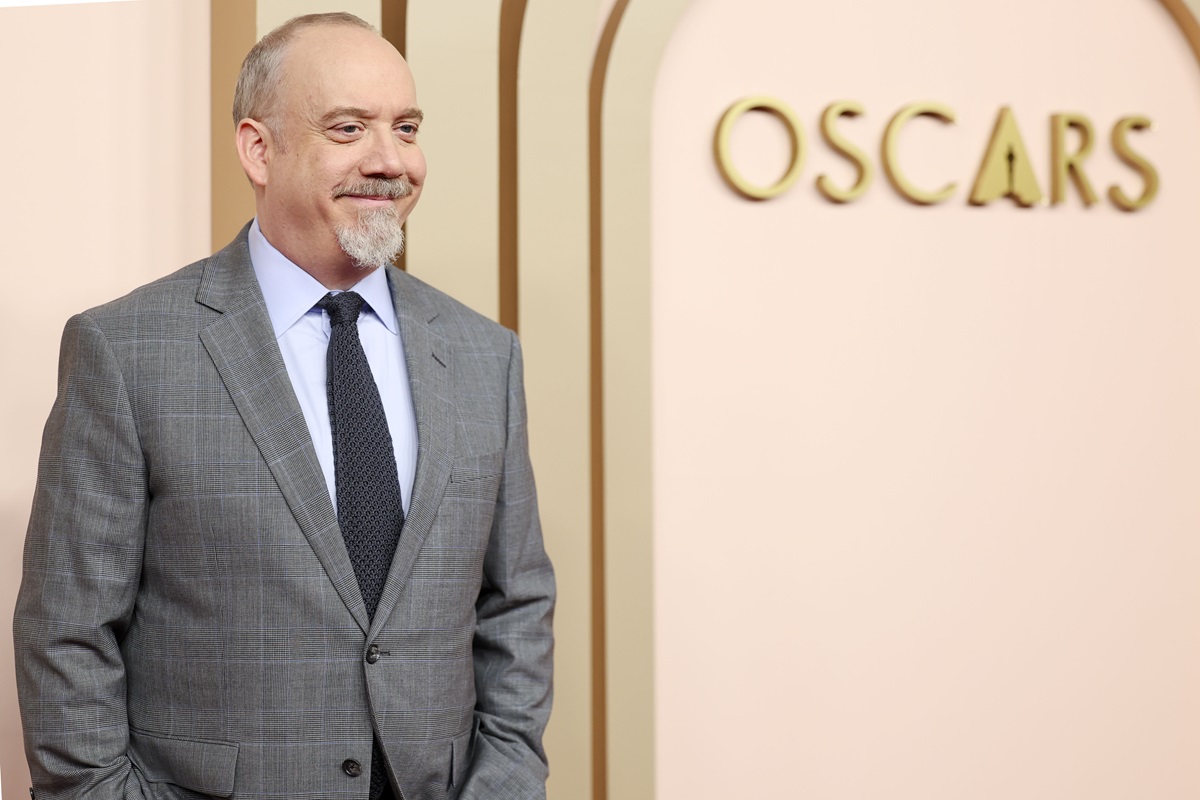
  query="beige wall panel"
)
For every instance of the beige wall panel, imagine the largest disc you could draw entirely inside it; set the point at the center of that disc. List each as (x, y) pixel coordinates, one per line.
(925, 478)
(107, 176)
(639, 44)
(556, 59)
(453, 49)
(270, 14)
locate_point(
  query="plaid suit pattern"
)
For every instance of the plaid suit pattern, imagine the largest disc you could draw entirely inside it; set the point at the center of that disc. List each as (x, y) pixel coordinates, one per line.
(189, 624)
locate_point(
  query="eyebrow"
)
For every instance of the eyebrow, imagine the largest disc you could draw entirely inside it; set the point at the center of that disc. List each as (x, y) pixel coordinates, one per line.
(412, 112)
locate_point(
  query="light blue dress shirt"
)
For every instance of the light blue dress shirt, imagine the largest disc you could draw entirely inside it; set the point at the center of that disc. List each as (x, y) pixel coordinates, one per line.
(302, 331)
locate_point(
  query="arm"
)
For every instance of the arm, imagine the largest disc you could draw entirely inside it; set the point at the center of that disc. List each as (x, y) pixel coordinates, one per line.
(513, 639)
(83, 555)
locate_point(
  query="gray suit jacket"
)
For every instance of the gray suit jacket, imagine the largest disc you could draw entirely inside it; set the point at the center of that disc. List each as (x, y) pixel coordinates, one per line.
(189, 624)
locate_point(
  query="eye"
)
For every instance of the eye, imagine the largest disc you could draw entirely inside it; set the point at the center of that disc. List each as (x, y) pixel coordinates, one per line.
(407, 130)
(346, 132)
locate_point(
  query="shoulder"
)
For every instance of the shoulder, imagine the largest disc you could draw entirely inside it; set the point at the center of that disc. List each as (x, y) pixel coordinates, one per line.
(177, 301)
(115, 335)
(448, 317)
(163, 310)
(168, 294)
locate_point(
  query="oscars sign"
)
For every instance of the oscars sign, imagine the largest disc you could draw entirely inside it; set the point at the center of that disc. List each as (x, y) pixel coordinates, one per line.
(1005, 171)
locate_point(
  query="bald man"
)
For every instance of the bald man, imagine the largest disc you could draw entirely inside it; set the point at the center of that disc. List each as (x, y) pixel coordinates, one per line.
(285, 540)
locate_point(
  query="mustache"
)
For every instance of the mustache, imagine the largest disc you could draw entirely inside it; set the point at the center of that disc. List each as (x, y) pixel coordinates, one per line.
(393, 188)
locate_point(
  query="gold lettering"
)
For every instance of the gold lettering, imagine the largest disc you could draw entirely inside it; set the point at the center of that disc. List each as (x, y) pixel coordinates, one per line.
(1066, 166)
(891, 160)
(724, 156)
(834, 138)
(1135, 160)
(1006, 170)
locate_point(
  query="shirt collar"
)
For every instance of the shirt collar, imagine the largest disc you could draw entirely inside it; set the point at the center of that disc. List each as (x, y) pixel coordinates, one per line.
(290, 292)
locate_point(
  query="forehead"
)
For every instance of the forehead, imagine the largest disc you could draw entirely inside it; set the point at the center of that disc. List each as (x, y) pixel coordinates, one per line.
(332, 67)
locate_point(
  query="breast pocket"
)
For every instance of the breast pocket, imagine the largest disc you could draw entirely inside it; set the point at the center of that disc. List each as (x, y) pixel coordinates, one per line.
(464, 519)
(476, 477)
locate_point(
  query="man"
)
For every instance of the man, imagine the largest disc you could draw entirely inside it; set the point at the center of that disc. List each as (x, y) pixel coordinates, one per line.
(285, 542)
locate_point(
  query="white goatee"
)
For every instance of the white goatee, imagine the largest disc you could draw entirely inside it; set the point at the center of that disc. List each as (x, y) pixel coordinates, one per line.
(379, 235)
(375, 240)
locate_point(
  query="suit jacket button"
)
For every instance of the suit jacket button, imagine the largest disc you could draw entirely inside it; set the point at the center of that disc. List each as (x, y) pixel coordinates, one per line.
(372, 654)
(352, 768)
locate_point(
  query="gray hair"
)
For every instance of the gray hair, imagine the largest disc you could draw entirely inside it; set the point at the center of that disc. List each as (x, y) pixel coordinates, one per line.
(259, 81)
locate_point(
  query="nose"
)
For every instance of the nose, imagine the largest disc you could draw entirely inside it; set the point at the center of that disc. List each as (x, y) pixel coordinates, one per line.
(385, 158)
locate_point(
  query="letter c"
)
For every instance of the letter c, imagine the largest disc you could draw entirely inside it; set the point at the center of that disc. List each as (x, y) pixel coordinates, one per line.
(891, 160)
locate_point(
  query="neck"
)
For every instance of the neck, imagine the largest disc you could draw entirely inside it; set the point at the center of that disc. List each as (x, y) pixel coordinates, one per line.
(333, 270)
(341, 279)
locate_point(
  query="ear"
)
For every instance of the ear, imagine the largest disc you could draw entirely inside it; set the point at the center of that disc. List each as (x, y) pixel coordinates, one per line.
(254, 146)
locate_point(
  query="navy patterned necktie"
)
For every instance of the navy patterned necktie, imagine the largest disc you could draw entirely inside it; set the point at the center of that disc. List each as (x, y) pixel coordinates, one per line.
(369, 507)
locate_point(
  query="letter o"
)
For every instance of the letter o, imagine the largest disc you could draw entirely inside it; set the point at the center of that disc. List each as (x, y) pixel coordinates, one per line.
(725, 158)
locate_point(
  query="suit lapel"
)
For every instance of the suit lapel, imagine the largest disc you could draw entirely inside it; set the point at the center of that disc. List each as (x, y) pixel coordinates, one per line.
(428, 359)
(242, 345)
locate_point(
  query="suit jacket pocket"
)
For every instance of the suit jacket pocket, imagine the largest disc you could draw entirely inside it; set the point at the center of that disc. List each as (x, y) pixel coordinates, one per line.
(476, 477)
(461, 749)
(202, 765)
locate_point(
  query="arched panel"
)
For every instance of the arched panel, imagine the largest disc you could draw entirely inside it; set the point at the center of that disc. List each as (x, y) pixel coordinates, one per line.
(623, 261)
(552, 175)
(924, 473)
(454, 233)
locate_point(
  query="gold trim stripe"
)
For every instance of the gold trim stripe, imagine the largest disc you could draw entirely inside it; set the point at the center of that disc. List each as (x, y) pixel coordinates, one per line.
(394, 27)
(234, 32)
(1185, 18)
(596, 357)
(512, 21)
(394, 23)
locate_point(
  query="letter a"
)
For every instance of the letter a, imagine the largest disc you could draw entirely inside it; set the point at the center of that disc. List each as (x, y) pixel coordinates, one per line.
(1006, 170)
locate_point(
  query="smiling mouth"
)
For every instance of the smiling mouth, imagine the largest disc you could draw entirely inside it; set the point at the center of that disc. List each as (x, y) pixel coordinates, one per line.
(378, 190)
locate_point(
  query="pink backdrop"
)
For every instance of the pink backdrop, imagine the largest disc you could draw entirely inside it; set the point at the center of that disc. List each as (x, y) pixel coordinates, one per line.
(106, 186)
(925, 478)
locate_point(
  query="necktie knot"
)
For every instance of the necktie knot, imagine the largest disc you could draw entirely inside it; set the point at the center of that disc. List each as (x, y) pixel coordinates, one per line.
(341, 307)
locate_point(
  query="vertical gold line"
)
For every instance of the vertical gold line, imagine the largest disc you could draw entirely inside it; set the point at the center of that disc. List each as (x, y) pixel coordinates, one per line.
(596, 356)
(512, 20)
(233, 32)
(394, 25)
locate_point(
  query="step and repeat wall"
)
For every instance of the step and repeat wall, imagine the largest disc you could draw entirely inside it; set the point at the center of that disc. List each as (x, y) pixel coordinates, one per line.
(862, 347)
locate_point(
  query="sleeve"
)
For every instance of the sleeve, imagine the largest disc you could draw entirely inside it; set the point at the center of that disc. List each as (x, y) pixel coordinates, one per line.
(513, 648)
(82, 563)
